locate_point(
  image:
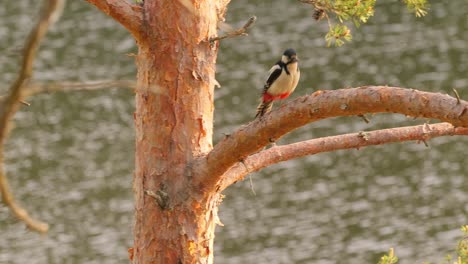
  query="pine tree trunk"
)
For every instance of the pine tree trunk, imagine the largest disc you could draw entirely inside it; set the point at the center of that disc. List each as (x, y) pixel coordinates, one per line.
(175, 222)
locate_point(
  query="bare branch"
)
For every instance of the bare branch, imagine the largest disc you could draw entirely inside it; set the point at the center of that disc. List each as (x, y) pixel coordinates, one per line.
(37, 88)
(320, 105)
(49, 15)
(239, 32)
(130, 16)
(278, 154)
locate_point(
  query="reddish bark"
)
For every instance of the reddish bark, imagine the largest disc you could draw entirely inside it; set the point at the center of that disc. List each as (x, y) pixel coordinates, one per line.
(278, 154)
(320, 105)
(173, 119)
(174, 124)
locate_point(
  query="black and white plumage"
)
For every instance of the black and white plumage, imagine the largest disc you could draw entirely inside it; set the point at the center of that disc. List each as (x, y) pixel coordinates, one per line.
(281, 82)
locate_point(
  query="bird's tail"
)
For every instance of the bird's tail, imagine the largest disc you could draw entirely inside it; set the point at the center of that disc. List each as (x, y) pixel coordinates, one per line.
(263, 108)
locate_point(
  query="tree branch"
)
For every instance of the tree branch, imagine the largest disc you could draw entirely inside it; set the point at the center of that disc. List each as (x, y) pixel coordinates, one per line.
(37, 88)
(49, 14)
(279, 154)
(130, 16)
(239, 32)
(320, 105)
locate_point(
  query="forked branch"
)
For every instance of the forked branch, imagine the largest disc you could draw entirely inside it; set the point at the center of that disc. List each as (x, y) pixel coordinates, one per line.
(279, 154)
(49, 14)
(130, 16)
(320, 105)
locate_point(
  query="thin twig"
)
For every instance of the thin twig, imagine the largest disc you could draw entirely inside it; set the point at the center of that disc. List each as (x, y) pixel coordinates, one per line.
(456, 95)
(251, 186)
(239, 32)
(364, 118)
(11, 104)
(313, 2)
(25, 103)
(37, 88)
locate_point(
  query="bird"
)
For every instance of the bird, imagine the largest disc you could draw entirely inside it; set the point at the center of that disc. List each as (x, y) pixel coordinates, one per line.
(281, 82)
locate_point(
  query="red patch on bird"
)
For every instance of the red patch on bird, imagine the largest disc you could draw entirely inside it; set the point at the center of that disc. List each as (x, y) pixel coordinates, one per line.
(268, 97)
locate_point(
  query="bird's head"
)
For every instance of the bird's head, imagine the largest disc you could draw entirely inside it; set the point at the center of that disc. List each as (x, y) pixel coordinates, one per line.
(289, 56)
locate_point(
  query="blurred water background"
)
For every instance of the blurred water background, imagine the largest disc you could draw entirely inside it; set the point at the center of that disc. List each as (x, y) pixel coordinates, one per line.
(70, 157)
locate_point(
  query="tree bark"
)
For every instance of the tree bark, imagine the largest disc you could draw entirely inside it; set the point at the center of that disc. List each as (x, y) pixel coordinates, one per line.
(259, 133)
(175, 223)
(359, 140)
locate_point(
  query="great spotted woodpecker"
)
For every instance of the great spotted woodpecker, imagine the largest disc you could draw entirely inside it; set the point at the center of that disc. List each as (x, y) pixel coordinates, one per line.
(282, 80)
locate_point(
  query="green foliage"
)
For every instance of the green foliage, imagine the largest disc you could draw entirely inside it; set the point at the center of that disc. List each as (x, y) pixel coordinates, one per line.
(418, 7)
(462, 247)
(448, 259)
(355, 10)
(462, 251)
(390, 258)
(338, 12)
(337, 34)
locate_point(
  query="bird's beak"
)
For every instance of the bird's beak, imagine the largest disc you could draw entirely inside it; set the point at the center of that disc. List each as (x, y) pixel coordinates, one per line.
(294, 59)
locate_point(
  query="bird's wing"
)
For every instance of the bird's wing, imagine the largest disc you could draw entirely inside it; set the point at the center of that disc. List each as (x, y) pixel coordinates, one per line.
(273, 74)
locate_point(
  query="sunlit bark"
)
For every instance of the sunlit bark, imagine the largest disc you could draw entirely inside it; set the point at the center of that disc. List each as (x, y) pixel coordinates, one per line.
(320, 105)
(174, 124)
(278, 154)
